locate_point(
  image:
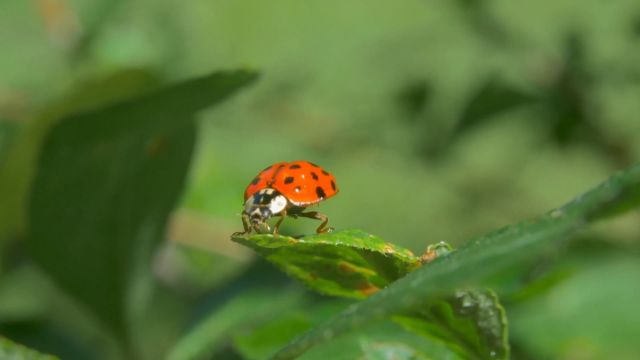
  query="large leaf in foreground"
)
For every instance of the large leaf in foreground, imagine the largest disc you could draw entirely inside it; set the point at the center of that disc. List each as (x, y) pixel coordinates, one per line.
(479, 259)
(347, 263)
(355, 264)
(202, 341)
(383, 340)
(18, 168)
(105, 184)
(471, 322)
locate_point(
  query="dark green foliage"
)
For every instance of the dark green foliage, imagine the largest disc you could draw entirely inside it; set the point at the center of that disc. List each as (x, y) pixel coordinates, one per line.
(414, 97)
(266, 340)
(106, 182)
(471, 323)
(492, 98)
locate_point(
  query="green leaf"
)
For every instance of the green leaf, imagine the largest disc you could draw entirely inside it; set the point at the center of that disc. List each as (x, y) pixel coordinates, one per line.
(267, 339)
(348, 263)
(378, 339)
(17, 171)
(352, 263)
(105, 184)
(8, 132)
(261, 339)
(477, 261)
(386, 350)
(381, 338)
(472, 322)
(12, 351)
(202, 340)
(603, 324)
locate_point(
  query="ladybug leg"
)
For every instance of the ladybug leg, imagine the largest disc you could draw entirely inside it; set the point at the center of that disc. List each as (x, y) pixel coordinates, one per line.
(318, 216)
(245, 224)
(256, 227)
(276, 227)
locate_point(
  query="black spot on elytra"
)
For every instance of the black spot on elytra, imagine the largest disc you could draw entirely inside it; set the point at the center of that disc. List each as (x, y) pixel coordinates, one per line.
(314, 176)
(312, 164)
(333, 185)
(320, 192)
(288, 180)
(255, 181)
(324, 172)
(294, 166)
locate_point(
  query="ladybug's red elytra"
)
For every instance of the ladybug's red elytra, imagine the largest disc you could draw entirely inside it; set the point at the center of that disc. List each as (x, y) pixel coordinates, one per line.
(287, 189)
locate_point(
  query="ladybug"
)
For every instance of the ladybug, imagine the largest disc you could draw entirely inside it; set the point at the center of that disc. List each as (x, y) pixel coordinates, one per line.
(287, 189)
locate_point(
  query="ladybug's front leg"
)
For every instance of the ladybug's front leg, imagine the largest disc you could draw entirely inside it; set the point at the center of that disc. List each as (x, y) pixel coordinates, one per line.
(256, 227)
(276, 227)
(318, 216)
(246, 224)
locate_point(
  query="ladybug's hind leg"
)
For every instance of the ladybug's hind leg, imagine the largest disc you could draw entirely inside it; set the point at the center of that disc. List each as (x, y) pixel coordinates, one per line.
(318, 216)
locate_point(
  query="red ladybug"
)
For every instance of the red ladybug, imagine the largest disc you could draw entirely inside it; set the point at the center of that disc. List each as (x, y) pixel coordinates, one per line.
(287, 189)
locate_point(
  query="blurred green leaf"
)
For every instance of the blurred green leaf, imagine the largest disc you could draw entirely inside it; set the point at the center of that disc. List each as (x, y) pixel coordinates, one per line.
(593, 312)
(493, 97)
(204, 338)
(472, 323)
(17, 290)
(475, 262)
(347, 263)
(8, 132)
(569, 118)
(105, 184)
(267, 339)
(264, 340)
(388, 350)
(193, 271)
(530, 288)
(18, 167)
(619, 203)
(261, 339)
(377, 339)
(12, 351)
(414, 97)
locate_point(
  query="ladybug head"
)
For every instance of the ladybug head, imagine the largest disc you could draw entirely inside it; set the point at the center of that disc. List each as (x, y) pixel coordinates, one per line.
(264, 204)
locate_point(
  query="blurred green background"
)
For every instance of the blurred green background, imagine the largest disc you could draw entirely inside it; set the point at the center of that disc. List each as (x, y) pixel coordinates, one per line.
(440, 121)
